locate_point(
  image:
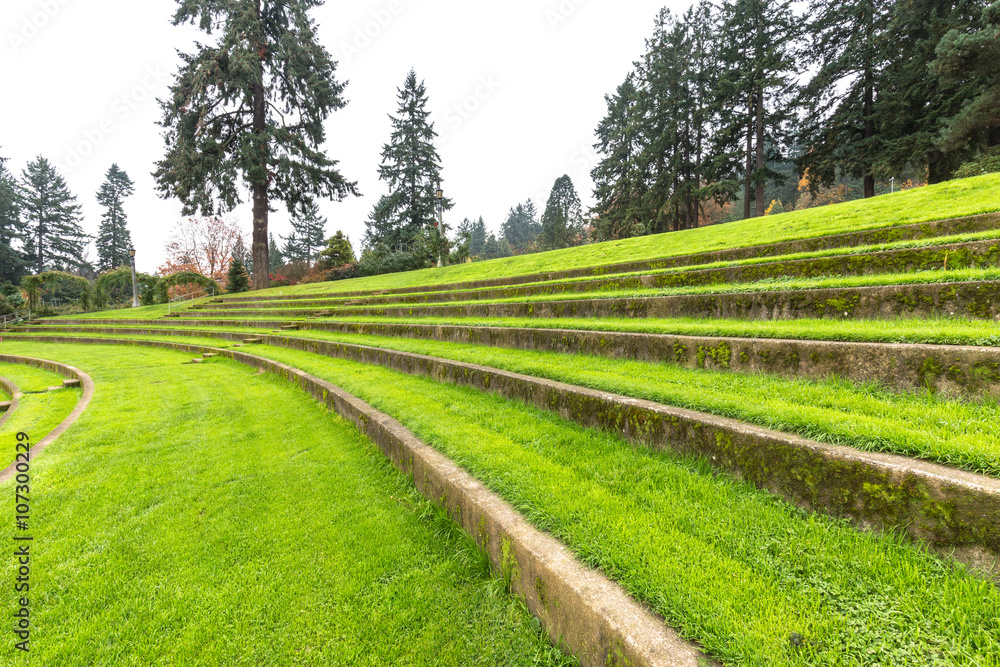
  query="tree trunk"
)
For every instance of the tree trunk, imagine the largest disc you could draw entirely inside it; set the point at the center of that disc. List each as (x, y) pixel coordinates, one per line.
(261, 262)
(746, 188)
(761, 204)
(869, 106)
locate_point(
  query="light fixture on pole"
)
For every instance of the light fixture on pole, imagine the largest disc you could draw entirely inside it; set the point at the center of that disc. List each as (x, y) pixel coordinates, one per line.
(135, 284)
(440, 226)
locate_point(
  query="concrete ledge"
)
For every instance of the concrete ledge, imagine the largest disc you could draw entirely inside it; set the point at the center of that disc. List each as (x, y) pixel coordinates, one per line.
(906, 260)
(950, 370)
(946, 508)
(582, 610)
(15, 399)
(979, 300)
(967, 225)
(81, 406)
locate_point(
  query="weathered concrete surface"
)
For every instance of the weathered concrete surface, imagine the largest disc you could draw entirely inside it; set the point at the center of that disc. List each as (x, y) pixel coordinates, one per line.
(955, 256)
(589, 615)
(980, 300)
(15, 398)
(81, 406)
(941, 506)
(950, 370)
(968, 225)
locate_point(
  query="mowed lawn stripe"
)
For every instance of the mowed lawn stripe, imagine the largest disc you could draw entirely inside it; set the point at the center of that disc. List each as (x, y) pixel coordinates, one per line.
(202, 514)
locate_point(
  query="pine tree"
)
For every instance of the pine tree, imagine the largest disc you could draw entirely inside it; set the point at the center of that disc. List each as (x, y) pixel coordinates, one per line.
(562, 222)
(756, 88)
(916, 106)
(308, 236)
(619, 186)
(237, 279)
(53, 218)
(251, 107)
(974, 57)
(13, 263)
(848, 46)
(412, 168)
(521, 228)
(240, 252)
(113, 238)
(275, 258)
(338, 252)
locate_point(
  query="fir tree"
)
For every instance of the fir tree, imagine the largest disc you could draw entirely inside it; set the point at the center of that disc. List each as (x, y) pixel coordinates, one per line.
(847, 43)
(308, 236)
(756, 89)
(237, 279)
(251, 108)
(521, 227)
(241, 252)
(274, 257)
(113, 238)
(562, 222)
(13, 263)
(618, 183)
(53, 218)
(412, 168)
(338, 252)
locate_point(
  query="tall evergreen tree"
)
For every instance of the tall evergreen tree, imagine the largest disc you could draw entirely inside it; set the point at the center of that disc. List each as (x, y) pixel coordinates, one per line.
(756, 89)
(974, 57)
(521, 228)
(113, 238)
(251, 109)
(916, 105)
(412, 168)
(308, 236)
(275, 258)
(848, 46)
(241, 253)
(619, 186)
(53, 218)
(562, 222)
(13, 263)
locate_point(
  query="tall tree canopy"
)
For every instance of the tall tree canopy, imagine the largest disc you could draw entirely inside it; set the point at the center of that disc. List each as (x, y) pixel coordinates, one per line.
(412, 168)
(13, 263)
(53, 218)
(562, 222)
(250, 110)
(113, 238)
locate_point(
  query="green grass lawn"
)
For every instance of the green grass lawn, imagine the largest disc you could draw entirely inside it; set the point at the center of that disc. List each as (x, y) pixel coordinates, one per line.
(953, 199)
(754, 580)
(959, 433)
(204, 515)
(39, 411)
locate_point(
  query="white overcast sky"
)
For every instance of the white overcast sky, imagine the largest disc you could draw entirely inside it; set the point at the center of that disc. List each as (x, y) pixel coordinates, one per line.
(516, 89)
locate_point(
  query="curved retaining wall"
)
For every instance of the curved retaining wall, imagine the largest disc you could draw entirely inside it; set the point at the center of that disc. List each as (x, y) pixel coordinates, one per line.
(81, 406)
(924, 230)
(15, 397)
(962, 255)
(951, 370)
(950, 509)
(580, 608)
(971, 299)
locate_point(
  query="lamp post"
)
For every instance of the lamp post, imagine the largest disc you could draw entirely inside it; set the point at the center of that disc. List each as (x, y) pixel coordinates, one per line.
(135, 285)
(440, 205)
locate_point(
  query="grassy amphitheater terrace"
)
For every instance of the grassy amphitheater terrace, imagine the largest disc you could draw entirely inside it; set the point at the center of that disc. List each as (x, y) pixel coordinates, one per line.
(766, 443)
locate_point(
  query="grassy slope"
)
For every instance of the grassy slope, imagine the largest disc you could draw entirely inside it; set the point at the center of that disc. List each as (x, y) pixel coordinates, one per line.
(180, 524)
(946, 200)
(867, 417)
(731, 566)
(37, 413)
